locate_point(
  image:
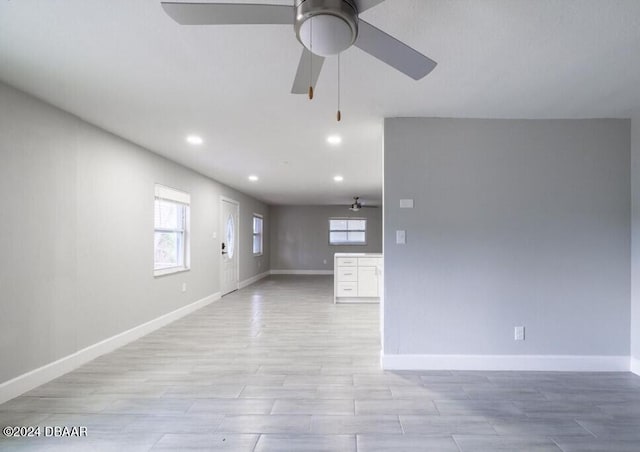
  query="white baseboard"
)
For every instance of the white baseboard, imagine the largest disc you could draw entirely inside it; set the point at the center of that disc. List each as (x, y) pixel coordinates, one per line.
(635, 365)
(32, 379)
(253, 279)
(569, 363)
(302, 272)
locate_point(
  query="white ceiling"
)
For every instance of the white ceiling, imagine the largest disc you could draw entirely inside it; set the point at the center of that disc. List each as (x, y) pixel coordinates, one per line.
(127, 67)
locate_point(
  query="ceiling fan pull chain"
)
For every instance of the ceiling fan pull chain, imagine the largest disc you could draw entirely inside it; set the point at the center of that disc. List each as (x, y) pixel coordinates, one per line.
(311, 58)
(339, 114)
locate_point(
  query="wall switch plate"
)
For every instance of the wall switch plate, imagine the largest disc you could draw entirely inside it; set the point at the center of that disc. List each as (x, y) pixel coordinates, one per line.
(324, 262)
(184, 286)
(401, 237)
(214, 235)
(406, 203)
(518, 333)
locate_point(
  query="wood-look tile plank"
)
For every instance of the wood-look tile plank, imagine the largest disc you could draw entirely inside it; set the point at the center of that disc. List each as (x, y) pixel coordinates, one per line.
(353, 424)
(274, 423)
(205, 442)
(396, 406)
(446, 425)
(405, 443)
(313, 406)
(597, 445)
(498, 443)
(232, 406)
(306, 443)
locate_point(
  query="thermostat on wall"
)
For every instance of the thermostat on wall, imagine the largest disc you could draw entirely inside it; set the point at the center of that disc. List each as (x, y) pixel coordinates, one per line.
(406, 203)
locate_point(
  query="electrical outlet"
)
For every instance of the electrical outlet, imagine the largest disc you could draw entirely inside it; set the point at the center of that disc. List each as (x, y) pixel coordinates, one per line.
(518, 333)
(184, 286)
(406, 203)
(324, 262)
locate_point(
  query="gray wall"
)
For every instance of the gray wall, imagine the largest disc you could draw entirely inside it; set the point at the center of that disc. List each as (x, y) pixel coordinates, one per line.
(635, 237)
(77, 235)
(300, 236)
(516, 222)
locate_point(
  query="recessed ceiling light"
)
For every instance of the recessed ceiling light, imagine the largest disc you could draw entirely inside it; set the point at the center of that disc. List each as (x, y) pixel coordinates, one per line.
(334, 140)
(194, 139)
(338, 178)
(253, 178)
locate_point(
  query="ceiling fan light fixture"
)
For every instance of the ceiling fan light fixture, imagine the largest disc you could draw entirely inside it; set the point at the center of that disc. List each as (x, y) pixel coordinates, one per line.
(329, 35)
(356, 206)
(326, 27)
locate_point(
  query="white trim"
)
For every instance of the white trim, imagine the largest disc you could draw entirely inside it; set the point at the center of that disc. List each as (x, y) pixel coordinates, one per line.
(165, 193)
(302, 272)
(237, 243)
(231, 200)
(383, 208)
(348, 243)
(351, 300)
(171, 194)
(578, 363)
(261, 234)
(635, 365)
(34, 378)
(253, 279)
(169, 271)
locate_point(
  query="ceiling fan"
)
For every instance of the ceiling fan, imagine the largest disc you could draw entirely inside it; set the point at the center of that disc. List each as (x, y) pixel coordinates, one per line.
(357, 205)
(324, 27)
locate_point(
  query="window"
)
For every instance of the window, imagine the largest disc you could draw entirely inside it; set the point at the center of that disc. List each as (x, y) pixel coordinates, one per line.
(171, 234)
(347, 231)
(257, 234)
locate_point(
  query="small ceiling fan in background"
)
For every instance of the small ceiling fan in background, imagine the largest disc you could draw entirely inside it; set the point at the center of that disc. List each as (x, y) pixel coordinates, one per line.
(357, 205)
(324, 27)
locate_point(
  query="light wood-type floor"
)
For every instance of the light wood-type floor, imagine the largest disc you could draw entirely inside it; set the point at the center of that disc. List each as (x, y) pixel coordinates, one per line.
(278, 367)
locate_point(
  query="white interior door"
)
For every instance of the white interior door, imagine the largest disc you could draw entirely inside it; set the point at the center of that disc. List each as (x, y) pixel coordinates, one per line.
(229, 245)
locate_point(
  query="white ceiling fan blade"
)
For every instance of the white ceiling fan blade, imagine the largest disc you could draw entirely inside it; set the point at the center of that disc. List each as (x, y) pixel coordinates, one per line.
(364, 5)
(304, 75)
(228, 13)
(388, 49)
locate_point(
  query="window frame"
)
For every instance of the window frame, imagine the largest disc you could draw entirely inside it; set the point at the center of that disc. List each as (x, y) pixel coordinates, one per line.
(259, 234)
(364, 243)
(171, 195)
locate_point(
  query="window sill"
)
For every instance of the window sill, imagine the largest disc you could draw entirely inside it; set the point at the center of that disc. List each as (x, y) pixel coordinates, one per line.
(169, 271)
(257, 255)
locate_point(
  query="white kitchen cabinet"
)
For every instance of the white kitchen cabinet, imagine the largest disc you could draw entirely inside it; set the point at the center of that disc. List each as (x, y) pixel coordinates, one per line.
(347, 274)
(357, 277)
(367, 281)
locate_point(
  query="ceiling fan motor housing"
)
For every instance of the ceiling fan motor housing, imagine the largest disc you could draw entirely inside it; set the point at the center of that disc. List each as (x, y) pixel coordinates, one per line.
(334, 27)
